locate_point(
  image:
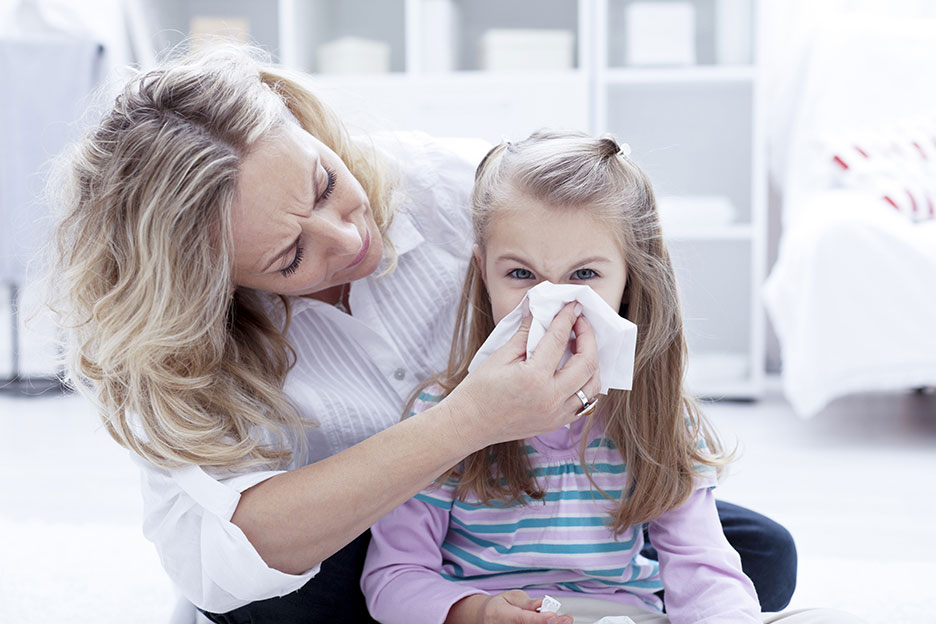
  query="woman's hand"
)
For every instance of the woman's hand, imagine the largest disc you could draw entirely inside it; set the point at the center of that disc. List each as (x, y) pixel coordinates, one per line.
(511, 607)
(511, 397)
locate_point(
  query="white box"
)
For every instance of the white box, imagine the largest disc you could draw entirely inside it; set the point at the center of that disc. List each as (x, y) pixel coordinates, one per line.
(502, 49)
(354, 55)
(205, 30)
(661, 33)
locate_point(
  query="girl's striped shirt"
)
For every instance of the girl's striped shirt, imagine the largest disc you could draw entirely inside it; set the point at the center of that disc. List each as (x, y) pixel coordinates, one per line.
(558, 545)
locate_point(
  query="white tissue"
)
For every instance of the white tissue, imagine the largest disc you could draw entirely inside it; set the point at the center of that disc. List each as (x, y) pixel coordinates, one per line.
(550, 604)
(616, 336)
(615, 619)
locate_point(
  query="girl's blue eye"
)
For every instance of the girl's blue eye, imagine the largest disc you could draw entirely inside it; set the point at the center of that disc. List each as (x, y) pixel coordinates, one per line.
(329, 185)
(584, 274)
(522, 274)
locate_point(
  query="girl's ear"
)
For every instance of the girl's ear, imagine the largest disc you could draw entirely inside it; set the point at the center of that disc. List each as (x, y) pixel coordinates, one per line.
(479, 259)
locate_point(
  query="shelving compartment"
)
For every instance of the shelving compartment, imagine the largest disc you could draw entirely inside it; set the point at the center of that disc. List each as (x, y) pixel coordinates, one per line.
(476, 18)
(175, 21)
(715, 285)
(692, 138)
(357, 27)
(687, 32)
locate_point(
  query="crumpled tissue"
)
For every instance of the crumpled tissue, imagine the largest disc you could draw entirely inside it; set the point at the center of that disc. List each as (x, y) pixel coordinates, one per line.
(615, 336)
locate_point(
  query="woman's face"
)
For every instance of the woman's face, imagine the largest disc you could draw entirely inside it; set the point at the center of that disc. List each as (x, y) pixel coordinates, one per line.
(529, 242)
(302, 222)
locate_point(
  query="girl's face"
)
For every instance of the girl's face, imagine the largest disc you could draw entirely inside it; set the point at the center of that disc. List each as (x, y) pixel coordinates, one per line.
(529, 242)
(302, 222)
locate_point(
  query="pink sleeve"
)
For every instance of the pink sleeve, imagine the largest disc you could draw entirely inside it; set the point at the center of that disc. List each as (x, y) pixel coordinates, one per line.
(700, 570)
(402, 580)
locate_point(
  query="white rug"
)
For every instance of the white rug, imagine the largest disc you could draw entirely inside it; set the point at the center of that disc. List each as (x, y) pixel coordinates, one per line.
(109, 574)
(93, 573)
(881, 592)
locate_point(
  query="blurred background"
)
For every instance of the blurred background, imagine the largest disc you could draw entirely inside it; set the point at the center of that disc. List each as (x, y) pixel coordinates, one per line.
(792, 145)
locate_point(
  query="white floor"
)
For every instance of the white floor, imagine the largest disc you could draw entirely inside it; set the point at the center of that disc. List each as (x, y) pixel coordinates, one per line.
(856, 486)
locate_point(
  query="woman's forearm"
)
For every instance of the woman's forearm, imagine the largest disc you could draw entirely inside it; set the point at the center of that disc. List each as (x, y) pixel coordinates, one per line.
(299, 518)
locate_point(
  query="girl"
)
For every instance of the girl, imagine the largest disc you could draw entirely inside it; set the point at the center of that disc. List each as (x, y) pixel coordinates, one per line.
(563, 513)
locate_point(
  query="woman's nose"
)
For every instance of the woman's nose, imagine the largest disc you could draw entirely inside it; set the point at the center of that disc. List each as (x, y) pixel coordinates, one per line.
(343, 238)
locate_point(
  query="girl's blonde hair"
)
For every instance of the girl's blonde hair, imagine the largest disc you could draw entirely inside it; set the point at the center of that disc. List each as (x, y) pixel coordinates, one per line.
(185, 367)
(656, 426)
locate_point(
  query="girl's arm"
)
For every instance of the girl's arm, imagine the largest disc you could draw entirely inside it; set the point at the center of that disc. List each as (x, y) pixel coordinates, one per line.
(701, 572)
(402, 579)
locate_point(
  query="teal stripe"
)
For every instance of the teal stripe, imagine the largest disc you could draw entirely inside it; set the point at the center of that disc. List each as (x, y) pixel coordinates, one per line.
(532, 523)
(430, 398)
(552, 549)
(602, 442)
(530, 450)
(435, 502)
(616, 572)
(551, 497)
(464, 555)
(634, 574)
(577, 469)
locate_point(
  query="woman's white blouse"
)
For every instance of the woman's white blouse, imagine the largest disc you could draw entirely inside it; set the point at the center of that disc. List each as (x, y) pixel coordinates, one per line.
(353, 375)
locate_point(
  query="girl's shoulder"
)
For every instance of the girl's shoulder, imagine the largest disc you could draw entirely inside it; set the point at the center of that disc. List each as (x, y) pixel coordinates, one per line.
(706, 475)
(428, 397)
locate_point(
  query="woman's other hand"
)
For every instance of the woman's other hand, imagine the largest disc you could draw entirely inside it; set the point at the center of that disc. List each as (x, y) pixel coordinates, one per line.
(511, 397)
(511, 607)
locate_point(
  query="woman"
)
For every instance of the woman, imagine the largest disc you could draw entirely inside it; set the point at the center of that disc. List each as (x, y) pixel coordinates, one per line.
(251, 298)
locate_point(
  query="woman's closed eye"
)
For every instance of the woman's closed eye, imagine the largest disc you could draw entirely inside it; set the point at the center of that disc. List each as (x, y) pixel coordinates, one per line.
(294, 265)
(329, 185)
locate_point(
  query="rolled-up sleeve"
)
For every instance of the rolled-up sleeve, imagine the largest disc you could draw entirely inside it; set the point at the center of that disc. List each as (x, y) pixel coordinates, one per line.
(187, 515)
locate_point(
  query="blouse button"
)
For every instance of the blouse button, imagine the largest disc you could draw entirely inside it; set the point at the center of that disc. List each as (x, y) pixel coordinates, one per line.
(399, 374)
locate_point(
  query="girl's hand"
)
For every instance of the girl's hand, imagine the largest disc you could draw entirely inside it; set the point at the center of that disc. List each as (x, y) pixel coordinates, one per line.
(510, 397)
(511, 607)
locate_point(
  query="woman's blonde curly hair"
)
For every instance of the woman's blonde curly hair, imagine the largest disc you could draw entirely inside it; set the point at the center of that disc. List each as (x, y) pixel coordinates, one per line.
(185, 367)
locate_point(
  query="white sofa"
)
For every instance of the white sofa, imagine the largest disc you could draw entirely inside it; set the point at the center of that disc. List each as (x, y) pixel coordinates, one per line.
(852, 295)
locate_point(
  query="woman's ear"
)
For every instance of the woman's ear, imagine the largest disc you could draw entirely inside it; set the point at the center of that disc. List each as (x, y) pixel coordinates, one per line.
(479, 259)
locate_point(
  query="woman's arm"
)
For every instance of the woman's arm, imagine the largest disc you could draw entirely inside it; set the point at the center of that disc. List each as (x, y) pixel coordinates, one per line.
(701, 572)
(297, 519)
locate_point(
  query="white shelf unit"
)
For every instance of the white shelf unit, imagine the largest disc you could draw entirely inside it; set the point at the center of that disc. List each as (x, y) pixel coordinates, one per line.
(696, 129)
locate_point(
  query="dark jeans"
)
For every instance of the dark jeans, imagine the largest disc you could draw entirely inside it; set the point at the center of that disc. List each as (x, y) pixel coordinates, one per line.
(768, 557)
